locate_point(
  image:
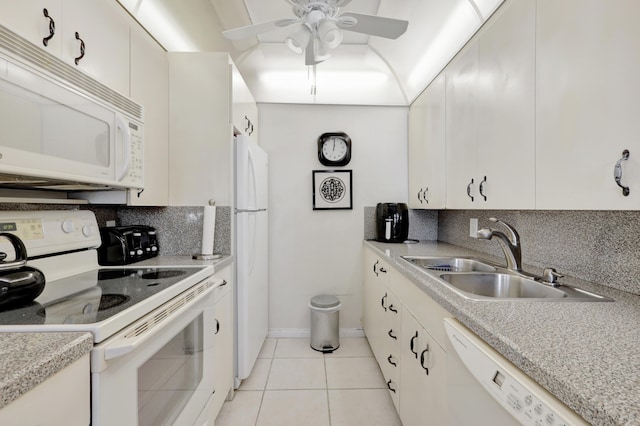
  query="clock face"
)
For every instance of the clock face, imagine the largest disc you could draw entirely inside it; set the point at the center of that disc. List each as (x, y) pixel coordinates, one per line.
(334, 149)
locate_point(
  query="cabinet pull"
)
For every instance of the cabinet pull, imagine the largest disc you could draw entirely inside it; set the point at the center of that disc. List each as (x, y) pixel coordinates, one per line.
(390, 388)
(422, 358)
(382, 302)
(77, 60)
(426, 191)
(392, 309)
(52, 27)
(224, 282)
(390, 333)
(384, 271)
(390, 360)
(481, 189)
(374, 268)
(469, 190)
(617, 172)
(420, 196)
(217, 327)
(251, 131)
(412, 345)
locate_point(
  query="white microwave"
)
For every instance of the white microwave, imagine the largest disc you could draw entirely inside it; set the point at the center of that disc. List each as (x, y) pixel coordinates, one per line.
(61, 129)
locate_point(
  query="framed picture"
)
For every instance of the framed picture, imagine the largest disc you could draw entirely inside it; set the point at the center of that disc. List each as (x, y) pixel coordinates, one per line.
(332, 190)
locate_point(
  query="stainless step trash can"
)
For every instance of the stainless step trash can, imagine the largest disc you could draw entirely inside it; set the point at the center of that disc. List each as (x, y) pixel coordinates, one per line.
(325, 323)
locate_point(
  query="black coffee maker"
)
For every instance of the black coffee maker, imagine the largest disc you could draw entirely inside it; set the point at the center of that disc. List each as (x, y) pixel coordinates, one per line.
(392, 222)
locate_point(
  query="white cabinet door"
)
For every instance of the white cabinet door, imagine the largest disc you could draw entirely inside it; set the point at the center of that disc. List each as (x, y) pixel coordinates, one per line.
(150, 88)
(223, 351)
(423, 400)
(27, 19)
(103, 27)
(244, 114)
(490, 114)
(462, 129)
(427, 148)
(506, 108)
(588, 104)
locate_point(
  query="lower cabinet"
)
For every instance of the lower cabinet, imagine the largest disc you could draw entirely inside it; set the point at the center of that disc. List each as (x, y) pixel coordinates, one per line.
(405, 330)
(61, 400)
(423, 376)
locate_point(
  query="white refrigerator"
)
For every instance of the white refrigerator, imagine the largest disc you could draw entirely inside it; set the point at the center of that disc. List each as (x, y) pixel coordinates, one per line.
(251, 253)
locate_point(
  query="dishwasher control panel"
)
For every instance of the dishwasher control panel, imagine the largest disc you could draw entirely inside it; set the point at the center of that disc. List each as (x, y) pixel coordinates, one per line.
(527, 401)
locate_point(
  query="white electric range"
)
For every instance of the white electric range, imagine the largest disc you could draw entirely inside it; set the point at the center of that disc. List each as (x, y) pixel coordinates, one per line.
(152, 326)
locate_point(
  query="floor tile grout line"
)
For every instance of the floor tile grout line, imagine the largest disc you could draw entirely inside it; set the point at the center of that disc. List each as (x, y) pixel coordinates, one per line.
(326, 382)
(266, 382)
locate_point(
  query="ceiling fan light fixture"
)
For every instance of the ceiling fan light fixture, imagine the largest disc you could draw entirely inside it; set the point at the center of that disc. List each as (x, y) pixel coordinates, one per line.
(298, 40)
(329, 33)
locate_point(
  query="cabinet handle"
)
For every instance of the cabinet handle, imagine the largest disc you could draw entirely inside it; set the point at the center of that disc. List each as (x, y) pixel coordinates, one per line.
(390, 360)
(426, 191)
(384, 271)
(412, 345)
(469, 190)
(390, 388)
(52, 27)
(224, 282)
(422, 358)
(481, 189)
(251, 131)
(617, 172)
(382, 302)
(392, 309)
(390, 333)
(374, 268)
(420, 196)
(77, 60)
(217, 327)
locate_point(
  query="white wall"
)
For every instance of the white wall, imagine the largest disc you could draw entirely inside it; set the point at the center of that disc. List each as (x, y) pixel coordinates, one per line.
(320, 252)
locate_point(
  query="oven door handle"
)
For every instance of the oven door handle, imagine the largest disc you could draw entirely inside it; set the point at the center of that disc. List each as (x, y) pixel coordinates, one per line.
(124, 345)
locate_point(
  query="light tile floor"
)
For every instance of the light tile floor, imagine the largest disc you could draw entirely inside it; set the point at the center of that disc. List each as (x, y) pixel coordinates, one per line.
(293, 385)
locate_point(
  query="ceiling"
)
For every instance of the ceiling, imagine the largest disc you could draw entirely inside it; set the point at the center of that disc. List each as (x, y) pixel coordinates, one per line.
(363, 70)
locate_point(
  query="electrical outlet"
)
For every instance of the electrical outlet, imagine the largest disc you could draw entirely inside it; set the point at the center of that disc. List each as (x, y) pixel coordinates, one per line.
(111, 223)
(473, 227)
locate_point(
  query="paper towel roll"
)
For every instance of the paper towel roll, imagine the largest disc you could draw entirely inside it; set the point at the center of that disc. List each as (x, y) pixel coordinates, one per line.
(208, 229)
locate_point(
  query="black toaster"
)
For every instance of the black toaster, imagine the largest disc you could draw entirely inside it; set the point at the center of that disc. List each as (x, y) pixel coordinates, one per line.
(122, 245)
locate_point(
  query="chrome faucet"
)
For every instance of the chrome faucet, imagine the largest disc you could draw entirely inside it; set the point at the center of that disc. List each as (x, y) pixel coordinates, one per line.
(510, 243)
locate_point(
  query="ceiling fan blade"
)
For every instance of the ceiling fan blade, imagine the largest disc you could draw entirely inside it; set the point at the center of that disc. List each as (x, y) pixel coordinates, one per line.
(373, 25)
(254, 30)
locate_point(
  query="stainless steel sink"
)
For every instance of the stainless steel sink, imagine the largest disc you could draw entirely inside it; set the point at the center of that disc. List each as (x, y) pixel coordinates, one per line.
(450, 264)
(476, 279)
(501, 286)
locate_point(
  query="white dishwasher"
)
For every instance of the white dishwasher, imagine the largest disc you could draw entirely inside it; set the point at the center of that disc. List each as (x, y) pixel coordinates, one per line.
(484, 388)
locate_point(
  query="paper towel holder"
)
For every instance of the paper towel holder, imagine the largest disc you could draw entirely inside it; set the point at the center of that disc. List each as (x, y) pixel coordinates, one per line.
(207, 256)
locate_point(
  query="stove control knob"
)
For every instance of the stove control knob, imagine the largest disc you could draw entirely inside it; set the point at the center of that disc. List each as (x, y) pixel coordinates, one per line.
(67, 227)
(88, 230)
(139, 252)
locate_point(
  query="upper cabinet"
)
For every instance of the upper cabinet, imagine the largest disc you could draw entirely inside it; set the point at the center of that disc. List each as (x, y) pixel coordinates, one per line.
(150, 88)
(244, 111)
(490, 114)
(588, 104)
(93, 36)
(202, 116)
(427, 148)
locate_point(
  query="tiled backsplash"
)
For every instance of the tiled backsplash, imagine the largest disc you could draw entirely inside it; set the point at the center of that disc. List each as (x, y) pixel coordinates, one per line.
(180, 228)
(597, 246)
(423, 224)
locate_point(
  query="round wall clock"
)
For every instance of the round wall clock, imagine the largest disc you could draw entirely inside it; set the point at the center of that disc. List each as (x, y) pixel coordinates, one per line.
(334, 149)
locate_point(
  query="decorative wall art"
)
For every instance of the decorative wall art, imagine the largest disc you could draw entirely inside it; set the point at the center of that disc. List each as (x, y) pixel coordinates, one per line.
(332, 190)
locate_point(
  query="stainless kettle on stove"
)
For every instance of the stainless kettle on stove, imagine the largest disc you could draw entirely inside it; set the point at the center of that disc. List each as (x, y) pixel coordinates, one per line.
(19, 284)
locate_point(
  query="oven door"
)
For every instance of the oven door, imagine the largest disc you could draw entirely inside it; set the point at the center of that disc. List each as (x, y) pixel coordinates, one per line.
(158, 371)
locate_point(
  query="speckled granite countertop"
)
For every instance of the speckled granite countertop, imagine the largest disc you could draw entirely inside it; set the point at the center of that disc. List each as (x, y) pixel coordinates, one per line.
(28, 359)
(585, 353)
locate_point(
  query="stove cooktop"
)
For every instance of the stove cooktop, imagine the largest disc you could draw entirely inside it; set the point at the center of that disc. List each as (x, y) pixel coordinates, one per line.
(84, 301)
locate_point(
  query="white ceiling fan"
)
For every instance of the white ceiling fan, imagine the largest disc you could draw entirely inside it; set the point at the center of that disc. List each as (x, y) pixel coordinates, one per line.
(320, 27)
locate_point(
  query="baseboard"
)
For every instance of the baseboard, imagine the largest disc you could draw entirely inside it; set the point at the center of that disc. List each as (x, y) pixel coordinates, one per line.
(298, 333)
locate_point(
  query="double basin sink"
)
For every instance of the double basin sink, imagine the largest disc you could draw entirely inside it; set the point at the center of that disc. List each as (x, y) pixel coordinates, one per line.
(481, 280)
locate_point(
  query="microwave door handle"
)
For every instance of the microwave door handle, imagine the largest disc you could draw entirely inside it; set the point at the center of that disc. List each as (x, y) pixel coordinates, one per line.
(126, 143)
(123, 346)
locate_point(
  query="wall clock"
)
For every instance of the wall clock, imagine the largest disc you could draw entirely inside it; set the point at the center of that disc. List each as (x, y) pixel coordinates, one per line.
(334, 149)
